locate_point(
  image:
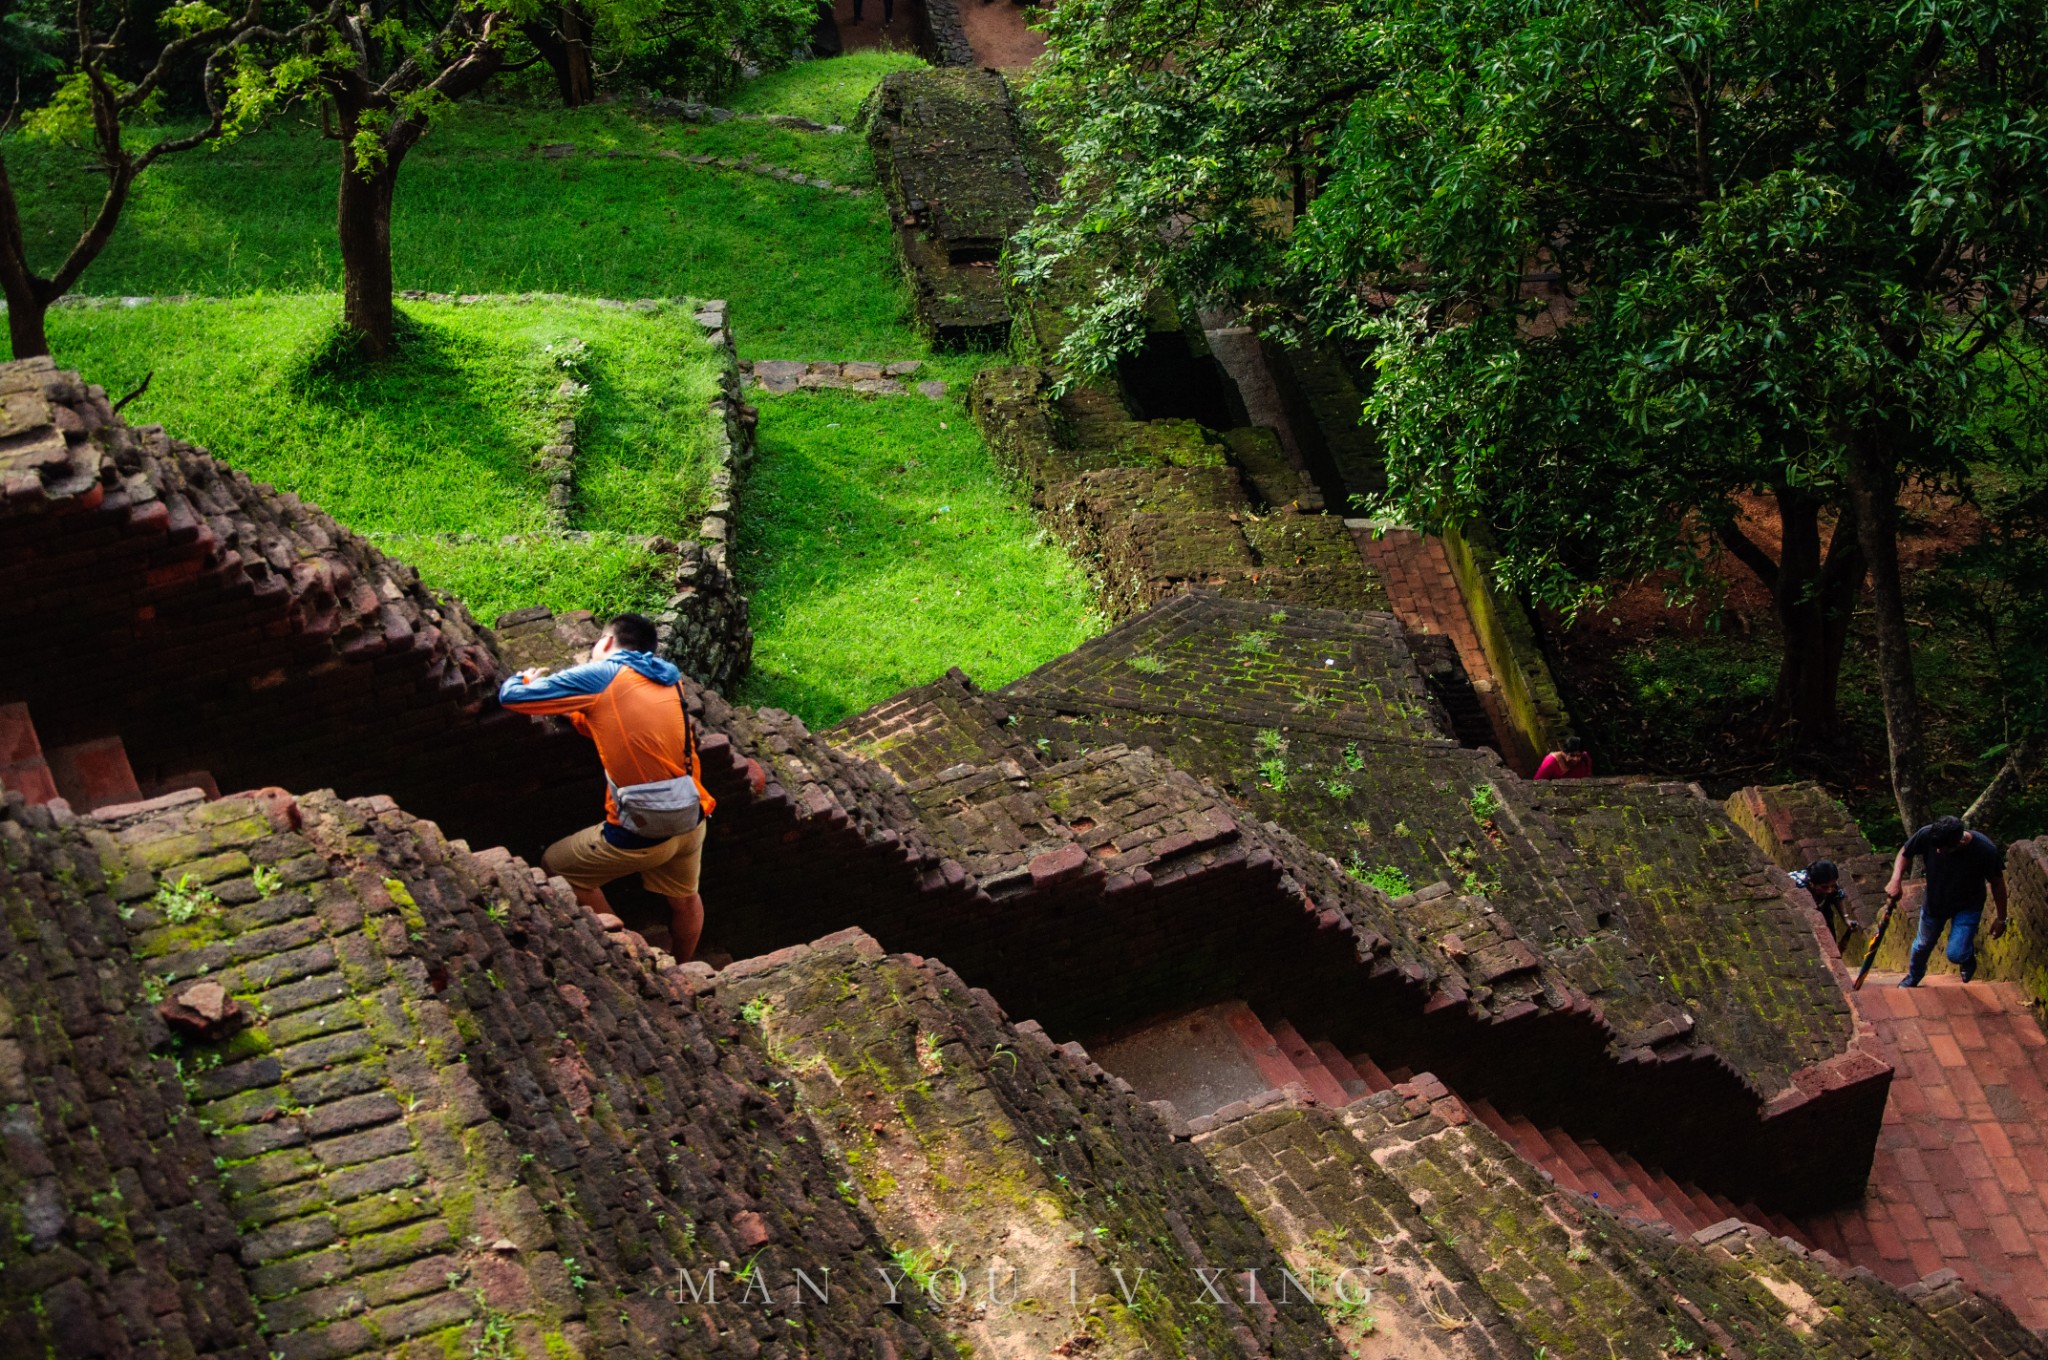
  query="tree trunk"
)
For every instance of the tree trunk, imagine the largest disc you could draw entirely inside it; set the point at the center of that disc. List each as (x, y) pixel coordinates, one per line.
(1874, 492)
(365, 231)
(1814, 599)
(26, 336)
(1813, 596)
(27, 301)
(565, 46)
(577, 80)
(2011, 774)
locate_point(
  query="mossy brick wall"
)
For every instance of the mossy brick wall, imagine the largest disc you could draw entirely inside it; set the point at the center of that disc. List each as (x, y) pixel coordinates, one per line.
(1156, 508)
(1326, 407)
(1473, 1252)
(952, 162)
(982, 1148)
(1635, 903)
(1536, 712)
(118, 1236)
(1796, 824)
(1093, 891)
(213, 624)
(466, 1119)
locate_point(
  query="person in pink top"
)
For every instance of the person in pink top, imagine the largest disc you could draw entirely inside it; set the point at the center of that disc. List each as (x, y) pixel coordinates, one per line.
(1570, 763)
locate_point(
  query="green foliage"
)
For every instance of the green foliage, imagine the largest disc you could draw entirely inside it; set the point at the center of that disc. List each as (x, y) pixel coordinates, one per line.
(1388, 878)
(1146, 664)
(441, 442)
(699, 47)
(921, 1265)
(1771, 244)
(879, 547)
(1485, 803)
(1252, 642)
(182, 902)
(266, 879)
(1273, 769)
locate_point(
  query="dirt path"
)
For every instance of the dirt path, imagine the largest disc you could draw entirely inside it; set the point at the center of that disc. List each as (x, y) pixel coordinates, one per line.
(1000, 33)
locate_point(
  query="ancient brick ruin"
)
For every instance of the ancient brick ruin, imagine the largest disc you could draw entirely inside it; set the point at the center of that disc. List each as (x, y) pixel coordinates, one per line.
(1208, 947)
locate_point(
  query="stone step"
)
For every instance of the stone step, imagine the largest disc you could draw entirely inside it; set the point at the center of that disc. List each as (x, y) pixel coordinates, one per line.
(94, 774)
(1622, 1184)
(1348, 1076)
(23, 769)
(1375, 1080)
(1321, 1084)
(1260, 1046)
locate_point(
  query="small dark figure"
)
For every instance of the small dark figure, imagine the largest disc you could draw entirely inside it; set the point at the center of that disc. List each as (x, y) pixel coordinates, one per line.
(1960, 865)
(1573, 762)
(1823, 883)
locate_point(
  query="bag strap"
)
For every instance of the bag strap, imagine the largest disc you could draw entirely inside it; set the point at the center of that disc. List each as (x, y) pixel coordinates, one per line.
(689, 734)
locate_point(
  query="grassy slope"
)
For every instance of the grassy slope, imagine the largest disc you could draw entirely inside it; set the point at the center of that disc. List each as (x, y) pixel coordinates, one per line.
(444, 443)
(809, 274)
(861, 582)
(880, 547)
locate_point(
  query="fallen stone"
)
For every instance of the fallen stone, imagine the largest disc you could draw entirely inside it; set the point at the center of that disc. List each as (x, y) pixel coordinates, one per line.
(554, 151)
(205, 1011)
(932, 388)
(778, 375)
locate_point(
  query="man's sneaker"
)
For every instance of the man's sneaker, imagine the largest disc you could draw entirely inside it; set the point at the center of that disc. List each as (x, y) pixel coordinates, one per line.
(1909, 982)
(1969, 967)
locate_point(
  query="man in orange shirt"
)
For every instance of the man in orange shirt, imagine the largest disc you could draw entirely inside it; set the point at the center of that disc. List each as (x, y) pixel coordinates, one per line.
(630, 702)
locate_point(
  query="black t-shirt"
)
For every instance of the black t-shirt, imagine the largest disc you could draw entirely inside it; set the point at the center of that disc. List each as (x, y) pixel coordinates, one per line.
(1956, 878)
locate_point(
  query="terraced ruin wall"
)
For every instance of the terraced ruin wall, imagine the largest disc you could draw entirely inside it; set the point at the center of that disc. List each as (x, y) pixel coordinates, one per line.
(301, 1078)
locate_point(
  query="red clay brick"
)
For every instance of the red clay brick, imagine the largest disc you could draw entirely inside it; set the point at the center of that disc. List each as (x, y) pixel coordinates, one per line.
(1968, 1033)
(1969, 1212)
(1890, 1246)
(1948, 1239)
(2011, 1236)
(2012, 1175)
(1991, 1135)
(1946, 1051)
(1927, 1256)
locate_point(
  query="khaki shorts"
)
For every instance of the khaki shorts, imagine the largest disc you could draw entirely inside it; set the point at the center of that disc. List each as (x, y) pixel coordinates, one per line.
(588, 860)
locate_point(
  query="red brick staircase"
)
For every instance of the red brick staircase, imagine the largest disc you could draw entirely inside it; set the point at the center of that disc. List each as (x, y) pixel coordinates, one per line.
(1319, 1071)
(1621, 1183)
(1960, 1181)
(89, 775)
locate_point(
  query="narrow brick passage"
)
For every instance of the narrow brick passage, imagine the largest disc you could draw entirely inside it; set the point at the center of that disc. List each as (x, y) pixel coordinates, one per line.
(1961, 1162)
(1416, 572)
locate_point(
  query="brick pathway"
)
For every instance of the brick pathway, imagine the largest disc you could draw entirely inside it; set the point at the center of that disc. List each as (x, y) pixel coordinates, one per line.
(1416, 572)
(1961, 1176)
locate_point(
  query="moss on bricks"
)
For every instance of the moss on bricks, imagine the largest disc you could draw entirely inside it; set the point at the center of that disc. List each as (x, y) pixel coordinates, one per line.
(987, 1152)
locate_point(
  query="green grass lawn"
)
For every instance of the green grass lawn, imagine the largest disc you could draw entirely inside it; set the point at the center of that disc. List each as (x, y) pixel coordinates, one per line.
(823, 91)
(443, 441)
(879, 546)
(810, 274)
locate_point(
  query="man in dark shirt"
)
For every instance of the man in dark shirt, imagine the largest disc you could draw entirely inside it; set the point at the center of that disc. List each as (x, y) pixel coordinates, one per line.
(1960, 864)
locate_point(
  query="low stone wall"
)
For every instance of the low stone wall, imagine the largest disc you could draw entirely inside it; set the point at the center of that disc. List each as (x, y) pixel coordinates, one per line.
(1536, 715)
(1154, 508)
(952, 164)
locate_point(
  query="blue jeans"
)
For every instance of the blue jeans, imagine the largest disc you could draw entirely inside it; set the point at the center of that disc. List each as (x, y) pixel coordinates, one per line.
(1962, 941)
